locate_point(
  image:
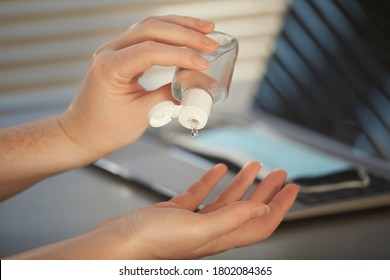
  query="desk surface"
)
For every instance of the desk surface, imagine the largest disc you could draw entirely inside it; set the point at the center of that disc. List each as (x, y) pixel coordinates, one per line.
(74, 202)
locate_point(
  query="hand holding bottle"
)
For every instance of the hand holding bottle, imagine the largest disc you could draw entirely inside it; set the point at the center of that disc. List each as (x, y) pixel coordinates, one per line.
(112, 107)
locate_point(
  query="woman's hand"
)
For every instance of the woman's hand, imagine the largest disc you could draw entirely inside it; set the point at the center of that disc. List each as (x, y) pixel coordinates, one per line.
(175, 230)
(112, 107)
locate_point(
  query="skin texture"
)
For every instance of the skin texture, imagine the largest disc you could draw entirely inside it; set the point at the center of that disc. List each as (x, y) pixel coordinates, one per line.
(111, 99)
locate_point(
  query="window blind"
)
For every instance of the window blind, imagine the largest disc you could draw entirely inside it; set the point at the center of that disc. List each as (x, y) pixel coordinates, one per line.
(47, 44)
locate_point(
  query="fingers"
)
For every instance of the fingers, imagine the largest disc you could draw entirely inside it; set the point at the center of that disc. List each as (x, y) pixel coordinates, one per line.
(234, 223)
(241, 183)
(269, 186)
(194, 196)
(280, 205)
(237, 189)
(156, 41)
(154, 53)
(173, 30)
(258, 229)
(126, 64)
(201, 25)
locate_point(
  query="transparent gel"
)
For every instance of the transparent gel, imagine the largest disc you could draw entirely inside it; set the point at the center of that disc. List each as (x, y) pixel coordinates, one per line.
(198, 91)
(216, 79)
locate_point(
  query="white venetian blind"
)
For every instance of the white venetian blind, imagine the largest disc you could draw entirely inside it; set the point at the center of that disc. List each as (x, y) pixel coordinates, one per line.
(47, 44)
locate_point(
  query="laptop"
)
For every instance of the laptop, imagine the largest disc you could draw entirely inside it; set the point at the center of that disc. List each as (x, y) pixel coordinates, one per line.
(321, 111)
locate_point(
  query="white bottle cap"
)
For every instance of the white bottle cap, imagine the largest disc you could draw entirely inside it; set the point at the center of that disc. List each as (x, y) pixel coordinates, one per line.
(163, 113)
(192, 113)
(196, 108)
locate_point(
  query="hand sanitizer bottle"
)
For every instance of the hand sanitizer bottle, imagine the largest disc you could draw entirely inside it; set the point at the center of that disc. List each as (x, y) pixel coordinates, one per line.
(199, 90)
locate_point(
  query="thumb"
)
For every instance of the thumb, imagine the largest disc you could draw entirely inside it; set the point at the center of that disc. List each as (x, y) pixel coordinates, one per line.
(158, 111)
(163, 93)
(233, 216)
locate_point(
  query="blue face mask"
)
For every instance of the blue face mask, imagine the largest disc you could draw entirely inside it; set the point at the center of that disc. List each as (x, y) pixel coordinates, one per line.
(242, 144)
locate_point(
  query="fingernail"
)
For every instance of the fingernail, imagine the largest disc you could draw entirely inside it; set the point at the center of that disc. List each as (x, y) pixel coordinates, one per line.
(251, 163)
(211, 44)
(205, 23)
(200, 62)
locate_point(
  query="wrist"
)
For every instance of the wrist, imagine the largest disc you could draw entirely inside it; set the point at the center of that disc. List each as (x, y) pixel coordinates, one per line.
(97, 244)
(128, 245)
(96, 134)
(72, 128)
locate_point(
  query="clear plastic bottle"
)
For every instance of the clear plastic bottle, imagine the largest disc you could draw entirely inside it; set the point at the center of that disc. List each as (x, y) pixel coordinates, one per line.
(199, 90)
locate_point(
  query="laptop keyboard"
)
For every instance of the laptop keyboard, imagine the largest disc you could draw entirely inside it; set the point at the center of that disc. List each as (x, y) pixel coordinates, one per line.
(378, 186)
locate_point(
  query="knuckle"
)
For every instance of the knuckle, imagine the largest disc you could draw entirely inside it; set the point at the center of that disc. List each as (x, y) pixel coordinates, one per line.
(150, 20)
(148, 23)
(147, 47)
(196, 36)
(98, 52)
(101, 60)
(101, 52)
(190, 55)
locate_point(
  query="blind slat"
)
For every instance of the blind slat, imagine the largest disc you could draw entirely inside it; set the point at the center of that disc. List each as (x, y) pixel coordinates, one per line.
(14, 11)
(49, 43)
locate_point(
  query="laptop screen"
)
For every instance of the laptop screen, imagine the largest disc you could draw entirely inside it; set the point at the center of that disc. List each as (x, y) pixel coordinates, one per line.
(328, 79)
